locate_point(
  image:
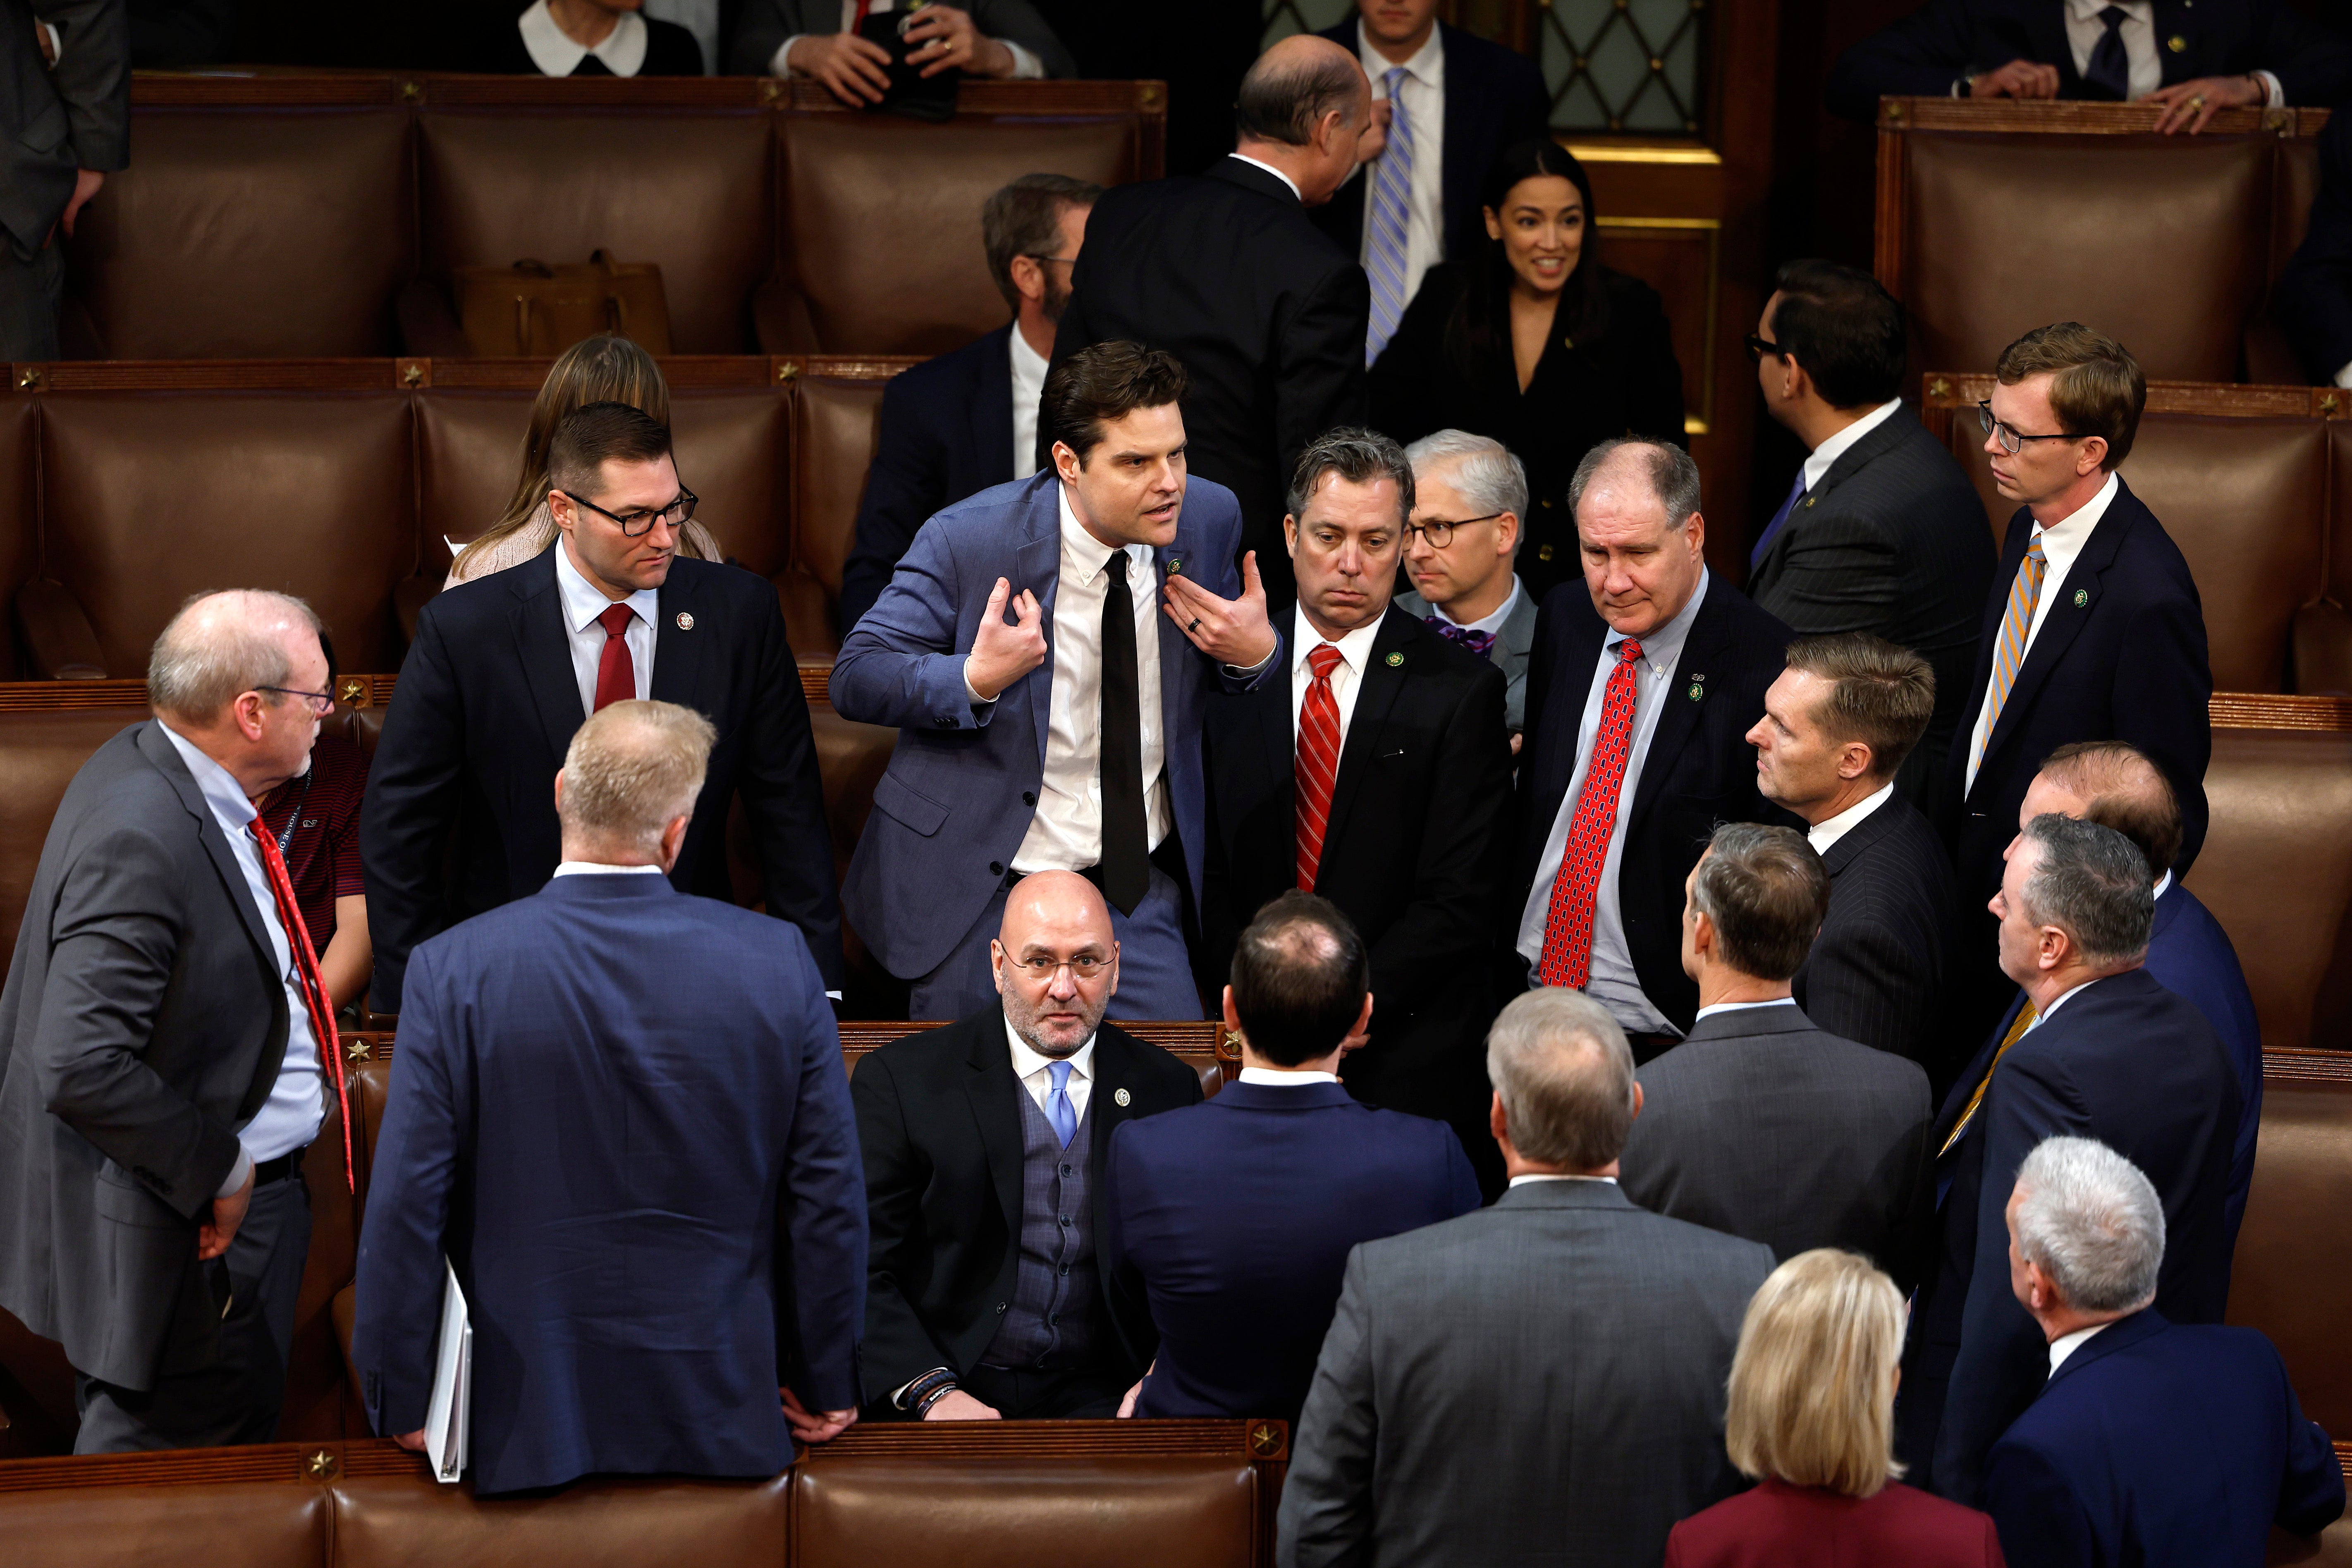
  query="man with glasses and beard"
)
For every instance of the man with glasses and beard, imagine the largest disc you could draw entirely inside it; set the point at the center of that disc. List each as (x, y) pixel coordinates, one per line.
(985, 1144)
(505, 667)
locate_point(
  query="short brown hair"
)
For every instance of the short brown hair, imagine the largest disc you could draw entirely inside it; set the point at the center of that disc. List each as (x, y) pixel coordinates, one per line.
(1299, 978)
(1813, 1381)
(1025, 218)
(2096, 387)
(1880, 694)
(1765, 892)
(596, 434)
(2121, 787)
(1358, 455)
(1104, 382)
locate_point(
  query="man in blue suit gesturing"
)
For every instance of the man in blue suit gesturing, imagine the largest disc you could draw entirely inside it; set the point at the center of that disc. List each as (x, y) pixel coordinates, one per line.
(1069, 738)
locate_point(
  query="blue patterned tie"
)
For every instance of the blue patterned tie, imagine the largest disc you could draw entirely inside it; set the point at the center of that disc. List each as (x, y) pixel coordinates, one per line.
(1780, 521)
(1058, 1109)
(1387, 207)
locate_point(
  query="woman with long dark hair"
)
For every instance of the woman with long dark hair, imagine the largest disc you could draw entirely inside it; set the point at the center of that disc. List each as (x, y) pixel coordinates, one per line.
(1536, 343)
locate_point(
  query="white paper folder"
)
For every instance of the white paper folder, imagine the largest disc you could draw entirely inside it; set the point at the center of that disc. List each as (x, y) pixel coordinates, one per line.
(448, 1415)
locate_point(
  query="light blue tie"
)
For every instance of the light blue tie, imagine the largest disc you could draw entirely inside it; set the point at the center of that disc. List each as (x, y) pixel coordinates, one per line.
(1058, 1109)
(1387, 207)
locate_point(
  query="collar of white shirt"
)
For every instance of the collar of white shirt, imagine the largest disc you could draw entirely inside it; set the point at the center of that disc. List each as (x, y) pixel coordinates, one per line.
(231, 808)
(2163, 885)
(1491, 624)
(583, 601)
(1355, 647)
(2065, 1345)
(1426, 67)
(1825, 834)
(1532, 1177)
(1277, 1077)
(555, 52)
(1837, 446)
(598, 869)
(1260, 164)
(1027, 1059)
(2133, 10)
(2063, 539)
(1664, 647)
(1090, 554)
(1714, 1008)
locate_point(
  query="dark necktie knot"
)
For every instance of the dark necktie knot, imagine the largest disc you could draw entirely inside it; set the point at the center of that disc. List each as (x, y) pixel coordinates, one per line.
(1116, 564)
(2114, 16)
(1480, 643)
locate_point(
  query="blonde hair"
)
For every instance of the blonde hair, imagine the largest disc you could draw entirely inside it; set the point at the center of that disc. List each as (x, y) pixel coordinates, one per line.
(1813, 1383)
(632, 769)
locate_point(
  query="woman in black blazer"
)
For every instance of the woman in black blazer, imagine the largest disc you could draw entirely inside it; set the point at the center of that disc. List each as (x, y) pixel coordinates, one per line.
(1534, 343)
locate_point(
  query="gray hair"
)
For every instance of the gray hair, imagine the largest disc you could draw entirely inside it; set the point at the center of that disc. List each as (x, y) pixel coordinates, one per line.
(634, 768)
(2091, 1220)
(221, 645)
(1025, 218)
(1673, 476)
(1566, 1075)
(1489, 476)
(1358, 455)
(2092, 883)
(1766, 892)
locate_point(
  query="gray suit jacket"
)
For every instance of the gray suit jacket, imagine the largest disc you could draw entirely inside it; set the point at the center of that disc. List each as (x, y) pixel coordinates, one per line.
(1512, 645)
(144, 1022)
(56, 123)
(1762, 1125)
(763, 27)
(1539, 1381)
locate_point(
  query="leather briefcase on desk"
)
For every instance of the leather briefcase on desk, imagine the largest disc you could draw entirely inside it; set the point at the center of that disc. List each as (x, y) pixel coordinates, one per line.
(533, 310)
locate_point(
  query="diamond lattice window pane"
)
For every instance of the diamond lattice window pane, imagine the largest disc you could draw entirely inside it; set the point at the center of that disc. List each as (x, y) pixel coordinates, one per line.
(1622, 65)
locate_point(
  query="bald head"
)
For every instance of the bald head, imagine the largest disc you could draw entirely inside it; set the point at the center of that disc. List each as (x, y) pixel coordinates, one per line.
(2115, 785)
(1301, 108)
(1056, 961)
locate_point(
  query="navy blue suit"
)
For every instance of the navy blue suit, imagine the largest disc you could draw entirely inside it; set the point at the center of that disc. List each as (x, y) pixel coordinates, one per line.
(1236, 1218)
(945, 433)
(620, 1111)
(2161, 1444)
(2189, 955)
(2124, 1061)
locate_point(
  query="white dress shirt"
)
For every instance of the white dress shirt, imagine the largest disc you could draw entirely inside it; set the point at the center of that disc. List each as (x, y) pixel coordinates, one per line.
(1026, 67)
(1713, 1008)
(1817, 462)
(2144, 67)
(1535, 1176)
(1347, 676)
(1028, 386)
(1034, 1068)
(1421, 90)
(1492, 625)
(554, 52)
(2163, 885)
(1611, 981)
(1274, 1078)
(1066, 832)
(583, 604)
(2062, 542)
(699, 18)
(1259, 163)
(2065, 1345)
(1828, 831)
(289, 1117)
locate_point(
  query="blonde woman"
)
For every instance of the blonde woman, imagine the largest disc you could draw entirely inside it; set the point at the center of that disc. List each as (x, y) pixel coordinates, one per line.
(1812, 1421)
(593, 370)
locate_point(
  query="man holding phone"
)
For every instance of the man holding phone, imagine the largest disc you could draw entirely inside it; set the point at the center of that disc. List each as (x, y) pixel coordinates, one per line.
(829, 41)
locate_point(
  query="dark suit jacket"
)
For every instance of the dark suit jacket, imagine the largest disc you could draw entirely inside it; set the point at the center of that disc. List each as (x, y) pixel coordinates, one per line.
(1763, 1125)
(2313, 301)
(757, 28)
(644, 1174)
(945, 433)
(487, 704)
(940, 1131)
(1269, 321)
(1922, 55)
(1876, 970)
(1235, 1218)
(1493, 97)
(1413, 852)
(143, 1022)
(2162, 1444)
(54, 124)
(2124, 1061)
(1893, 541)
(1624, 382)
(1700, 770)
(2189, 955)
(1778, 1524)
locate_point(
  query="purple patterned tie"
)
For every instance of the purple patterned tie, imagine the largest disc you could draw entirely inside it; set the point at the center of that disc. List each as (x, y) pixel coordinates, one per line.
(1480, 643)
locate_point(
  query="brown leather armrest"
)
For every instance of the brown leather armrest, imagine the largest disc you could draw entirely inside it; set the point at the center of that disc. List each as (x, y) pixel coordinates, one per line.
(2323, 650)
(428, 324)
(64, 645)
(408, 601)
(808, 615)
(780, 319)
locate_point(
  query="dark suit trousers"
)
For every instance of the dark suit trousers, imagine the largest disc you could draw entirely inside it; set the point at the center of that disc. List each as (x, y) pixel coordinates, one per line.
(1046, 1396)
(211, 1391)
(30, 294)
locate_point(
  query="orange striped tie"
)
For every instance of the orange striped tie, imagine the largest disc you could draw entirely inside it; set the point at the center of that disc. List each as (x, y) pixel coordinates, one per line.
(2009, 651)
(1318, 761)
(2023, 1021)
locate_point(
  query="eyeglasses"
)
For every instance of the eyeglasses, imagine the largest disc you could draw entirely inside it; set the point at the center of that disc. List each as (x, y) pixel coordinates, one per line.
(2012, 441)
(320, 702)
(636, 524)
(1082, 968)
(1065, 260)
(1758, 348)
(1440, 534)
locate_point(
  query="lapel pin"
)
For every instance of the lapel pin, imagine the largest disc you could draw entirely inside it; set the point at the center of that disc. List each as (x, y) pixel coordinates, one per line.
(1809, 500)
(1119, 1097)
(2081, 597)
(1697, 675)
(2177, 44)
(1395, 659)
(684, 622)
(1695, 691)
(1175, 565)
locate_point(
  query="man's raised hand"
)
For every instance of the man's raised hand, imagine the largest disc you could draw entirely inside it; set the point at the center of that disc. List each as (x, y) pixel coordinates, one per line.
(1232, 631)
(1002, 653)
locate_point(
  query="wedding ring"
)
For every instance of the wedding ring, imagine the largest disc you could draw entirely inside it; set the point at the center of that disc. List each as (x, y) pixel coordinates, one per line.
(2196, 102)
(1194, 627)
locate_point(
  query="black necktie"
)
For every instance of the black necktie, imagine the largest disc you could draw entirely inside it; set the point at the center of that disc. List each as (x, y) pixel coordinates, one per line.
(2110, 69)
(1126, 855)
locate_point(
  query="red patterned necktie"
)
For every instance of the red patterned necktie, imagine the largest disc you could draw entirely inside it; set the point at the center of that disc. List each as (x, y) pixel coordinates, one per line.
(1319, 761)
(1567, 926)
(314, 986)
(616, 672)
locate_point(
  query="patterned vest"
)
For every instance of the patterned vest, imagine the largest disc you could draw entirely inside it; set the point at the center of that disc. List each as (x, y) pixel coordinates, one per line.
(1049, 1326)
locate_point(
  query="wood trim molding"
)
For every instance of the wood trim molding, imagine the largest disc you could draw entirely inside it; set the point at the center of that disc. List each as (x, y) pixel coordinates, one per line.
(262, 88)
(1256, 1440)
(686, 372)
(2307, 1070)
(2006, 115)
(1947, 391)
(314, 1464)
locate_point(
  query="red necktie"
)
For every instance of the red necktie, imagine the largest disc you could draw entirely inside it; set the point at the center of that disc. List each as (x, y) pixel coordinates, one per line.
(616, 672)
(1568, 927)
(1318, 761)
(314, 988)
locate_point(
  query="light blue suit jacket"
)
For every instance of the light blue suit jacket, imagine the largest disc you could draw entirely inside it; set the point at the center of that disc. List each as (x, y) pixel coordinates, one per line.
(962, 788)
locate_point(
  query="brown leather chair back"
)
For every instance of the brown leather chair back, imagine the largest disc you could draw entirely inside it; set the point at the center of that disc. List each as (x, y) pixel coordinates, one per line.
(252, 233)
(40, 752)
(836, 415)
(398, 1521)
(2292, 1274)
(19, 509)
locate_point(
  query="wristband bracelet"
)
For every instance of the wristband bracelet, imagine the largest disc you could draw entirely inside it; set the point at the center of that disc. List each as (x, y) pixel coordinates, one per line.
(923, 1405)
(918, 1396)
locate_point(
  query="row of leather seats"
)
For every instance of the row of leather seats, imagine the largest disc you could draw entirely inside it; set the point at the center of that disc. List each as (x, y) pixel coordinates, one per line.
(287, 217)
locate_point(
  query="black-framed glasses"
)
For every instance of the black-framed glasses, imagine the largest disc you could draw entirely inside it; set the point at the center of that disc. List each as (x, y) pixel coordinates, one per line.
(2012, 441)
(1757, 347)
(321, 703)
(1440, 534)
(638, 524)
(1065, 260)
(1082, 968)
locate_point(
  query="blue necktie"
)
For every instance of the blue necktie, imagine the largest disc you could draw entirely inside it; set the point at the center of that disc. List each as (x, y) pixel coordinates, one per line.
(1388, 206)
(1780, 521)
(1058, 1109)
